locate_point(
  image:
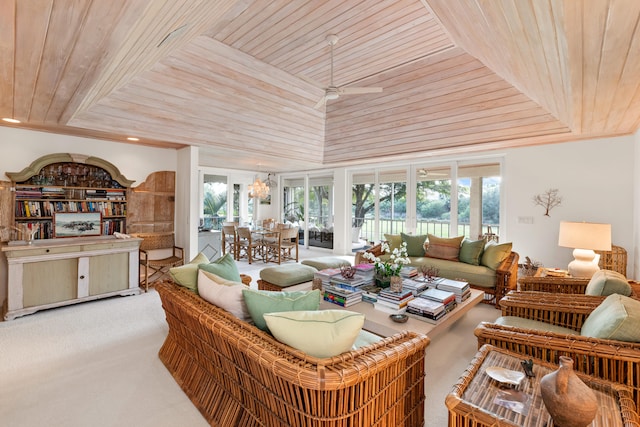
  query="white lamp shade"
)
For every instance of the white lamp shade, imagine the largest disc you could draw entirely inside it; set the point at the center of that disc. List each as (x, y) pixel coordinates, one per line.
(585, 235)
(584, 238)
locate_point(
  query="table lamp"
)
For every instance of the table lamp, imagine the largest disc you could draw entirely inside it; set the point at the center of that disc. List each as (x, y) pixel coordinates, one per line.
(584, 238)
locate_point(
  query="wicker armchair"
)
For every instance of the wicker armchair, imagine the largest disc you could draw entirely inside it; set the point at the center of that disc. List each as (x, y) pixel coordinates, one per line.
(565, 285)
(158, 253)
(616, 361)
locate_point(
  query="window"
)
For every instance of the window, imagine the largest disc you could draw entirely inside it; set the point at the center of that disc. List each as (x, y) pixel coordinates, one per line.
(214, 209)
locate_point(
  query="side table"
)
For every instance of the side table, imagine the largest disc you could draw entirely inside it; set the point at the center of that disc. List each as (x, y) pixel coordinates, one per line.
(471, 401)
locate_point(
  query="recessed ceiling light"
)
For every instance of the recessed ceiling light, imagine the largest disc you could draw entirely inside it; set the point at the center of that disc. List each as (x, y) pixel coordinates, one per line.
(131, 138)
(10, 120)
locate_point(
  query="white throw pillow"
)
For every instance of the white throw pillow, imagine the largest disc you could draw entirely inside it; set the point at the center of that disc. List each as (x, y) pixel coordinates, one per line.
(223, 293)
(322, 333)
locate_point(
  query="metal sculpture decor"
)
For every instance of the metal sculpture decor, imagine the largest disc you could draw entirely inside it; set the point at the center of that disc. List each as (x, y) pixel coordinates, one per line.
(347, 271)
(548, 200)
(429, 272)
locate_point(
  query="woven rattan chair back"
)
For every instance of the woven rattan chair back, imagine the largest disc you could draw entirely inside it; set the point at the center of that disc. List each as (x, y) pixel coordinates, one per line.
(156, 267)
(615, 259)
(229, 239)
(246, 246)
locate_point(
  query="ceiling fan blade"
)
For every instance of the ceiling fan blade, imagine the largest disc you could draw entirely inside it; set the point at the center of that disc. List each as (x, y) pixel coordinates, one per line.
(356, 90)
(321, 103)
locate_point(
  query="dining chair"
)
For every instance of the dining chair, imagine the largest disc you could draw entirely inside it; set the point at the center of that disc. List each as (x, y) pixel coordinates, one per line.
(283, 246)
(229, 238)
(246, 246)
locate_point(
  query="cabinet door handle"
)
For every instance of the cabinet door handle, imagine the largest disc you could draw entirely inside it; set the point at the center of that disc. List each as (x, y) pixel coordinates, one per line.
(82, 277)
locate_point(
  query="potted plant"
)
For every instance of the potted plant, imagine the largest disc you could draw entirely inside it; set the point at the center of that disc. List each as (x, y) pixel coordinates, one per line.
(391, 267)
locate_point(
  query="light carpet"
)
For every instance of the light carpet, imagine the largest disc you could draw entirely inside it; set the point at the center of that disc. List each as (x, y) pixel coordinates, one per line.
(96, 364)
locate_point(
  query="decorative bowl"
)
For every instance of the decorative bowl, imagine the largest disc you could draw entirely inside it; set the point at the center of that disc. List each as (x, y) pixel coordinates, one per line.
(399, 318)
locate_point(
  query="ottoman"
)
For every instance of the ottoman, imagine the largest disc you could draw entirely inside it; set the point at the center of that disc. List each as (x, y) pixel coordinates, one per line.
(320, 263)
(277, 278)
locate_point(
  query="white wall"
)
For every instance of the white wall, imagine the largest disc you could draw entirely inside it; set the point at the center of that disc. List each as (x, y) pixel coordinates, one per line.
(595, 179)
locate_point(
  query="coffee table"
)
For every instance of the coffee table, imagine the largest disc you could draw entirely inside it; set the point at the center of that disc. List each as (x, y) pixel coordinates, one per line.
(379, 323)
(472, 400)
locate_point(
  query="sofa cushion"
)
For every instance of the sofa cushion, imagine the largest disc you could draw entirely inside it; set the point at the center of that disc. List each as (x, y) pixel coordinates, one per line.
(394, 241)
(224, 266)
(478, 275)
(494, 254)
(261, 302)
(415, 244)
(444, 248)
(519, 322)
(288, 274)
(223, 293)
(607, 282)
(320, 263)
(616, 318)
(187, 275)
(471, 251)
(323, 333)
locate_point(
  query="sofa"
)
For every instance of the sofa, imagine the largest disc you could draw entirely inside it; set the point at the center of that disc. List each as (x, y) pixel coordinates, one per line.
(488, 266)
(237, 374)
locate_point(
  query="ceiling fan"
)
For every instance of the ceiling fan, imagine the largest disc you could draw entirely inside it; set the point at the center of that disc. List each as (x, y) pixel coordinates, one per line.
(333, 92)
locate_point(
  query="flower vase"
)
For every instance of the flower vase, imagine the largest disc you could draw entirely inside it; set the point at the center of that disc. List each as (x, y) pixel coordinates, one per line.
(383, 281)
(395, 284)
(570, 402)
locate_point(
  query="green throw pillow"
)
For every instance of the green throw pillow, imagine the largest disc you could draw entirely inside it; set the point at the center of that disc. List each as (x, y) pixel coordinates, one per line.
(607, 282)
(471, 251)
(262, 302)
(494, 254)
(444, 248)
(415, 244)
(187, 275)
(318, 333)
(224, 267)
(616, 318)
(394, 241)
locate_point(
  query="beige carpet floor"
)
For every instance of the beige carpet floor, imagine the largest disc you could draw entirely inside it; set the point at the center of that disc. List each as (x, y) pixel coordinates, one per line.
(96, 364)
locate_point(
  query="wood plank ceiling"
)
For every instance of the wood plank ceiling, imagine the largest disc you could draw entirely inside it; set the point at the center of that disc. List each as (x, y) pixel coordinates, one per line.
(240, 78)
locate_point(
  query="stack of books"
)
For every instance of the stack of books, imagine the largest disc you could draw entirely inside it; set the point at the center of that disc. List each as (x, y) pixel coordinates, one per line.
(426, 309)
(414, 286)
(340, 296)
(367, 271)
(446, 298)
(370, 292)
(461, 290)
(393, 302)
(350, 284)
(326, 275)
(408, 271)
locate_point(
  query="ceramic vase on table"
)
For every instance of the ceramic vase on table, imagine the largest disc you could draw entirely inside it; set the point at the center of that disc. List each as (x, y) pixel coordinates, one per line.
(570, 402)
(395, 285)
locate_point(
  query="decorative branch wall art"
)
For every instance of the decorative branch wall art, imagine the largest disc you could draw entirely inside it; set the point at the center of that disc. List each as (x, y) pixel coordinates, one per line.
(548, 200)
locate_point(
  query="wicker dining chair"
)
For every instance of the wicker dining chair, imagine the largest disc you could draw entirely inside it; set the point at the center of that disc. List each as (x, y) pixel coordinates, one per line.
(283, 246)
(158, 253)
(246, 246)
(229, 238)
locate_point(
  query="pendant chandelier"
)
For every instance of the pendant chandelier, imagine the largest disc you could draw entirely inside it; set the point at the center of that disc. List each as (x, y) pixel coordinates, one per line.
(258, 189)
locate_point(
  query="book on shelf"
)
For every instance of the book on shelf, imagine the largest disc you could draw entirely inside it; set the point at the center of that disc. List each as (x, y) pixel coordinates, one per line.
(426, 317)
(415, 286)
(389, 294)
(408, 271)
(341, 300)
(461, 289)
(438, 295)
(389, 309)
(426, 306)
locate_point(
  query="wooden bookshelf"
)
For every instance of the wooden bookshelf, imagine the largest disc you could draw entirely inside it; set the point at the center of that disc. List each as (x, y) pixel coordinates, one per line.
(67, 183)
